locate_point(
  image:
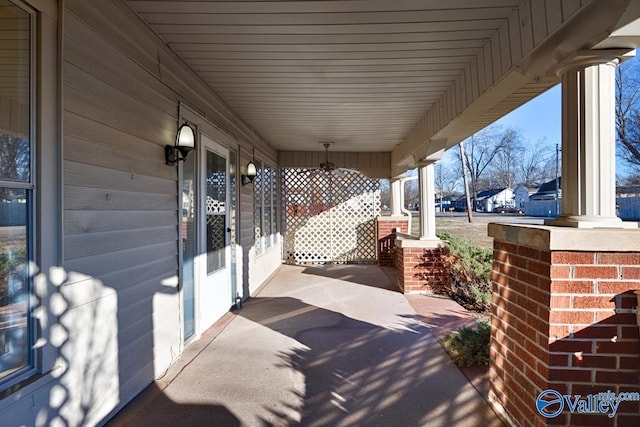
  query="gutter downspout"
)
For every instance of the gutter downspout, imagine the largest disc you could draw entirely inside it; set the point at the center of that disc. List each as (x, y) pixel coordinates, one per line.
(402, 207)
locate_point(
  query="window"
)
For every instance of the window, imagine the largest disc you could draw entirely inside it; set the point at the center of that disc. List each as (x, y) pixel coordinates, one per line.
(16, 188)
(257, 204)
(265, 203)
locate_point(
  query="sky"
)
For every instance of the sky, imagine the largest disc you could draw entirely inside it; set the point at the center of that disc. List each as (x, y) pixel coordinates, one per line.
(539, 121)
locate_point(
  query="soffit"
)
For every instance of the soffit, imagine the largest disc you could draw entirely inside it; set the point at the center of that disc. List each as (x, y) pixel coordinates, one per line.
(360, 73)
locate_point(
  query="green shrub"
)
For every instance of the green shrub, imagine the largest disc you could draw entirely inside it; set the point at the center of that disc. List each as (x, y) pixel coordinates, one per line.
(469, 347)
(470, 274)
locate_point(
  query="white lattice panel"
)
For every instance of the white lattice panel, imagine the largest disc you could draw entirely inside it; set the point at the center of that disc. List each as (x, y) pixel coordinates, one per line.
(329, 216)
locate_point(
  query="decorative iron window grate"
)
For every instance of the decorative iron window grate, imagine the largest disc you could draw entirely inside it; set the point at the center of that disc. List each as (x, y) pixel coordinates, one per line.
(329, 217)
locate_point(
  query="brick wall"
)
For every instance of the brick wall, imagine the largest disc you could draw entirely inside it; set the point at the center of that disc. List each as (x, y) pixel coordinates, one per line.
(421, 270)
(564, 320)
(386, 229)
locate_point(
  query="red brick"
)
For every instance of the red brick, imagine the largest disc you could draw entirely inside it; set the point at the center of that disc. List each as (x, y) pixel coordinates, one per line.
(631, 273)
(603, 316)
(622, 258)
(506, 247)
(630, 362)
(527, 304)
(585, 420)
(559, 387)
(570, 375)
(571, 317)
(620, 319)
(573, 258)
(575, 287)
(627, 420)
(528, 252)
(541, 325)
(630, 407)
(621, 347)
(560, 272)
(595, 272)
(595, 331)
(527, 277)
(558, 331)
(587, 361)
(536, 351)
(558, 360)
(585, 389)
(540, 268)
(594, 302)
(560, 420)
(518, 286)
(616, 377)
(570, 346)
(630, 332)
(627, 301)
(560, 301)
(501, 256)
(538, 296)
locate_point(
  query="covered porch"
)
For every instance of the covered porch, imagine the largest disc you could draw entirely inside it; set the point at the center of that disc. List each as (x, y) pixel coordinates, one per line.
(132, 242)
(319, 345)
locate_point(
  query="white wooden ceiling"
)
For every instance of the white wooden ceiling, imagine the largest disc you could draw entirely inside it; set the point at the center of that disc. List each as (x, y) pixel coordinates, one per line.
(361, 73)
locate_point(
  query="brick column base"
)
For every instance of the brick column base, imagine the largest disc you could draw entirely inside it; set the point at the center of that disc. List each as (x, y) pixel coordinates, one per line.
(563, 319)
(386, 227)
(421, 265)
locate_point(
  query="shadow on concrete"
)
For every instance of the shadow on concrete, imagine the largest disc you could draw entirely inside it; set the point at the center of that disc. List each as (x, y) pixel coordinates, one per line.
(156, 409)
(361, 274)
(359, 373)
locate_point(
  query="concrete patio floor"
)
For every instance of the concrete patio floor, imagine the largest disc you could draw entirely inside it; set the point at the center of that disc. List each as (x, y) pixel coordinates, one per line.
(317, 346)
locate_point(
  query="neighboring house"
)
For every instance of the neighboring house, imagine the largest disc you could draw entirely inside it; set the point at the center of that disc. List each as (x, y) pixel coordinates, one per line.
(624, 191)
(486, 200)
(445, 202)
(547, 191)
(522, 193)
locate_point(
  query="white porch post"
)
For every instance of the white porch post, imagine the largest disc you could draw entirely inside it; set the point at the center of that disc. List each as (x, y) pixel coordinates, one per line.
(396, 189)
(588, 143)
(426, 187)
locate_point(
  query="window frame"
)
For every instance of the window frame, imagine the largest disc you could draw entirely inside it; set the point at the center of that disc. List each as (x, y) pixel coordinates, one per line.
(45, 246)
(265, 205)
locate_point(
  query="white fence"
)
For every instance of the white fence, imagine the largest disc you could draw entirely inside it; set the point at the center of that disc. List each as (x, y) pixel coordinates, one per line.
(546, 208)
(628, 208)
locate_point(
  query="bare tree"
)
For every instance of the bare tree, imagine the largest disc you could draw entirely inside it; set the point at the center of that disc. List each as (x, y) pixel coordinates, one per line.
(504, 167)
(482, 150)
(446, 180)
(463, 161)
(628, 112)
(536, 165)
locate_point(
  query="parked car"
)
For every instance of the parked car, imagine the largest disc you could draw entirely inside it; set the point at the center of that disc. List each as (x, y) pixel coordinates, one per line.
(508, 209)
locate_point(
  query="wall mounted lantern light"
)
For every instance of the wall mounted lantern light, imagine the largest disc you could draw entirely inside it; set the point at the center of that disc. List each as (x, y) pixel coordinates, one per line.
(250, 175)
(185, 142)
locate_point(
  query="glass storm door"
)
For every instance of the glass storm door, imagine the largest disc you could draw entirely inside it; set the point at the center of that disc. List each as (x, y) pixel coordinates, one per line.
(215, 296)
(189, 245)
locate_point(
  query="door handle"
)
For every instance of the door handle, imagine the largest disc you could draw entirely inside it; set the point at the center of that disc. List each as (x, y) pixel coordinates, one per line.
(228, 229)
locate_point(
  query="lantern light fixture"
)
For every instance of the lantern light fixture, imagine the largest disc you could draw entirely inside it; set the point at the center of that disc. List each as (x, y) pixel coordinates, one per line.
(251, 173)
(185, 143)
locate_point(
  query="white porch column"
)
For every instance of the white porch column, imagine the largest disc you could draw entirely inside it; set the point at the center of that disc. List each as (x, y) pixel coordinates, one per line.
(396, 189)
(588, 143)
(426, 187)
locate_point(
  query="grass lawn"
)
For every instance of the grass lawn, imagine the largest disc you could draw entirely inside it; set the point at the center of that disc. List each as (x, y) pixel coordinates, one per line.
(475, 232)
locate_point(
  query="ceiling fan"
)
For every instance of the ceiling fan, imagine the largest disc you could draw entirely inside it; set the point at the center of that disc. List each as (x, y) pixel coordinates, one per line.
(327, 166)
